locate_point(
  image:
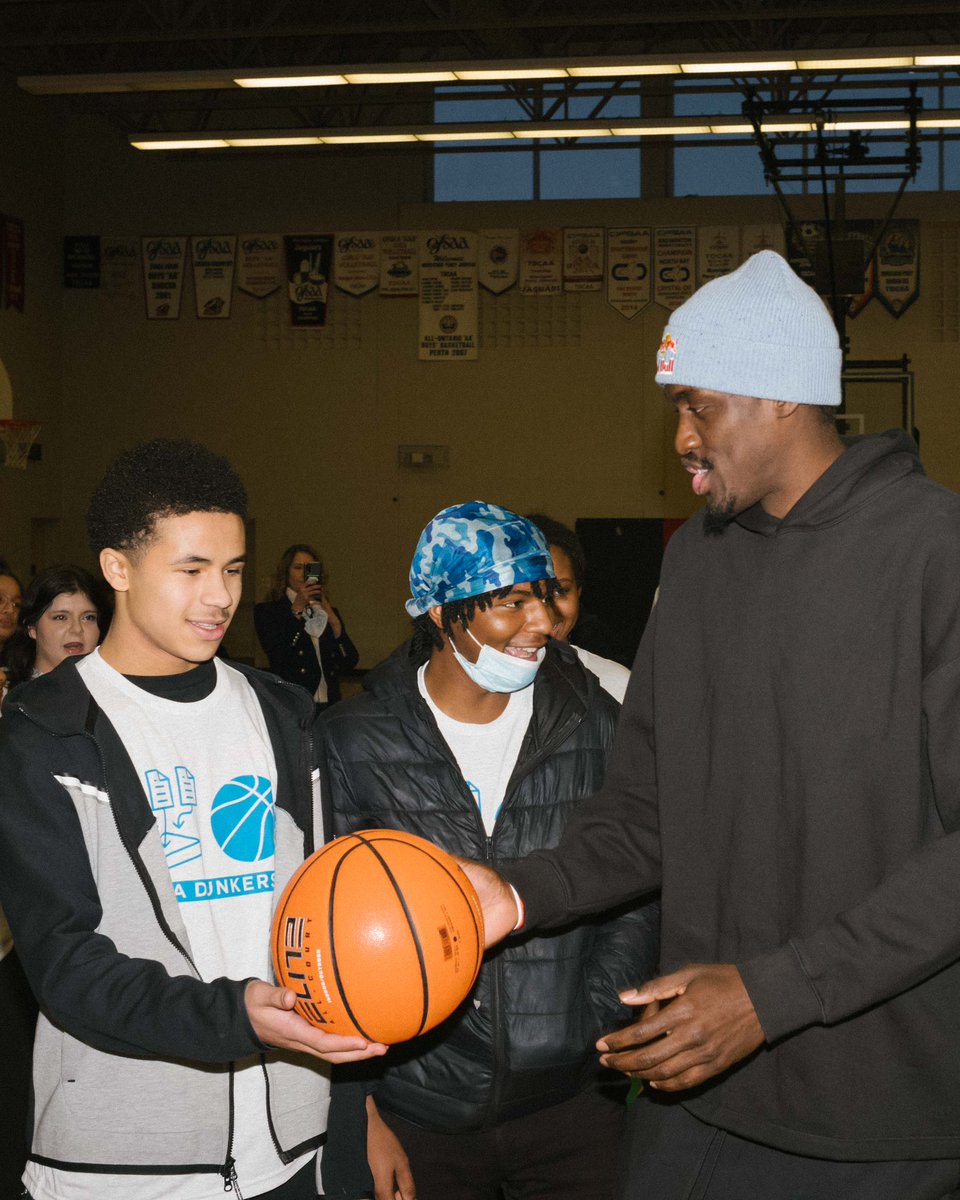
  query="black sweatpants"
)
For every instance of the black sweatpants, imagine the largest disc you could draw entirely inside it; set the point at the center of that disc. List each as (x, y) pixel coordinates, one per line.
(569, 1151)
(673, 1156)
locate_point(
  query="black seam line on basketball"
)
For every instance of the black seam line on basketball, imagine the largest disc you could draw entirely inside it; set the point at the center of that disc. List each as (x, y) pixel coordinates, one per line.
(456, 882)
(331, 940)
(424, 982)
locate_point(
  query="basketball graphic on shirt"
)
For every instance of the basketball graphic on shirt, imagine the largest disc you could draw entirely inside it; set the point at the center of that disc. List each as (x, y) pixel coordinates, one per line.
(242, 818)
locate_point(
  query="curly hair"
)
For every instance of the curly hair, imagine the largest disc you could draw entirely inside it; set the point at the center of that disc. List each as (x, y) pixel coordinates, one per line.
(153, 480)
(427, 637)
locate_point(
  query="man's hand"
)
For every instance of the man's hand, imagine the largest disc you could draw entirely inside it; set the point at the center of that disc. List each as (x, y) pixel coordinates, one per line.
(500, 912)
(271, 1014)
(708, 1025)
(389, 1165)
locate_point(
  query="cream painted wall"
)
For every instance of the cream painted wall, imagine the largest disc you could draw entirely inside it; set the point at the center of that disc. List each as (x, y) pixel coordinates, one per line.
(559, 413)
(30, 342)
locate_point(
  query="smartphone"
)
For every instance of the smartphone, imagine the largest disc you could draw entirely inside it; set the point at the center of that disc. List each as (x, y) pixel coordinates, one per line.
(313, 572)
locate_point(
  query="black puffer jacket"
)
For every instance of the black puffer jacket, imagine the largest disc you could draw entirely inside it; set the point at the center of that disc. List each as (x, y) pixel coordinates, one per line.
(524, 1038)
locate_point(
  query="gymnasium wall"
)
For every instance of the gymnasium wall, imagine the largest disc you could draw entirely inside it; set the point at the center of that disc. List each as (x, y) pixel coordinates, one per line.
(31, 188)
(559, 412)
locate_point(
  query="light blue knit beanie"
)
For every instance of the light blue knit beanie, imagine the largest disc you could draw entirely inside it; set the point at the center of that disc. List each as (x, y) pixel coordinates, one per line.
(760, 331)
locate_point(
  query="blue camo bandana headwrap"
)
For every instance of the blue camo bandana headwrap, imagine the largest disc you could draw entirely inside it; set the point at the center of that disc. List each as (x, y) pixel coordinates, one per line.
(469, 549)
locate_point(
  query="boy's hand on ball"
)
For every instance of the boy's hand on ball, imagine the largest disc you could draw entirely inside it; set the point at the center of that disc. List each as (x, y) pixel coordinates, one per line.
(275, 1023)
(498, 900)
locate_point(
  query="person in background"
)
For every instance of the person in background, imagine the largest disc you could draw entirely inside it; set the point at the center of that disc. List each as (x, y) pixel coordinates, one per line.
(569, 565)
(483, 734)
(302, 634)
(18, 1008)
(10, 597)
(63, 614)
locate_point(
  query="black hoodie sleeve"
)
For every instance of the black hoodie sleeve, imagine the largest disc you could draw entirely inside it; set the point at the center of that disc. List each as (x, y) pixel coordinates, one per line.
(610, 851)
(107, 999)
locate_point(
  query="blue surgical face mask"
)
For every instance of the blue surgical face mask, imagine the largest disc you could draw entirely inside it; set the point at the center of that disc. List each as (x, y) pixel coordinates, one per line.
(495, 671)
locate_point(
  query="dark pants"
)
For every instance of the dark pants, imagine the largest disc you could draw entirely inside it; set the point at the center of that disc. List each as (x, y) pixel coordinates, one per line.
(567, 1152)
(18, 1019)
(673, 1156)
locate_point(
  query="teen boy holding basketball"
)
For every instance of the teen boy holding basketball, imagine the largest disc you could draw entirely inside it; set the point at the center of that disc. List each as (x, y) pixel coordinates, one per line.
(482, 736)
(152, 801)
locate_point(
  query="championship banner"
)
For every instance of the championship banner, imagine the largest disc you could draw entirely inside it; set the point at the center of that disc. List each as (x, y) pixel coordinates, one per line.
(448, 296)
(817, 273)
(163, 276)
(582, 260)
(356, 264)
(13, 268)
(398, 265)
(260, 264)
(214, 257)
(308, 258)
(718, 251)
(498, 259)
(865, 232)
(675, 258)
(628, 270)
(898, 266)
(81, 261)
(119, 267)
(754, 238)
(541, 262)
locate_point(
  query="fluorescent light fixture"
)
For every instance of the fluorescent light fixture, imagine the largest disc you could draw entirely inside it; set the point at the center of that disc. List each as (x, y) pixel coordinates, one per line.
(866, 123)
(466, 136)
(291, 81)
(401, 77)
(563, 131)
(508, 73)
(273, 141)
(660, 130)
(785, 127)
(302, 76)
(744, 67)
(361, 138)
(853, 64)
(182, 144)
(720, 125)
(626, 69)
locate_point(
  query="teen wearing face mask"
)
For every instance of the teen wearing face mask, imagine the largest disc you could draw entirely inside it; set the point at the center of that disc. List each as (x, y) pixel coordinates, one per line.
(482, 734)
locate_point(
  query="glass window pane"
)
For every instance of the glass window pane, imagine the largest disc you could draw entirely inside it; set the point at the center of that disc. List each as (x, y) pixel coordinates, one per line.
(951, 166)
(711, 170)
(497, 175)
(584, 174)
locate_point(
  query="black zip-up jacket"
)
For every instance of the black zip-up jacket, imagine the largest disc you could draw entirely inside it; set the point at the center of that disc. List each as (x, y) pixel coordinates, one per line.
(788, 765)
(132, 1068)
(524, 1039)
(290, 651)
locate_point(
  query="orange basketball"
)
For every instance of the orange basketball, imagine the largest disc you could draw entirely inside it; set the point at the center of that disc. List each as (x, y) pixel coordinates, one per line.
(380, 934)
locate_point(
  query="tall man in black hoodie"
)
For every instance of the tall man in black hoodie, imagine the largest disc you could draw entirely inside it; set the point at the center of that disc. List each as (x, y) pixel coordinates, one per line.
(787, 768)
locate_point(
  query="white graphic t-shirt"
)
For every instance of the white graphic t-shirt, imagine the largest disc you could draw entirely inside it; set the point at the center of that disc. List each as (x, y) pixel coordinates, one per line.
(486, 754)
(208, 772)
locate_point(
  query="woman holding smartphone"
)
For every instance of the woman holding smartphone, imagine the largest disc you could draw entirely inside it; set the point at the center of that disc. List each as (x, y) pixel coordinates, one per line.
(302, 634)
